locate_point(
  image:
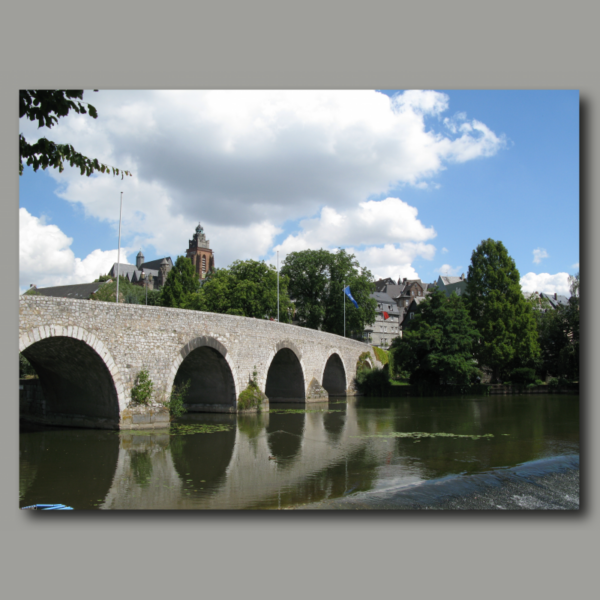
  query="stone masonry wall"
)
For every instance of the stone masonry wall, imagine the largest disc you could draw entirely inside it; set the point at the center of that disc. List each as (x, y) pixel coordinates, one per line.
(131, 337)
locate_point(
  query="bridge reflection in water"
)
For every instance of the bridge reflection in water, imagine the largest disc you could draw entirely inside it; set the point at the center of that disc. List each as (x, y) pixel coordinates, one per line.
(290, 456)
(261, 461)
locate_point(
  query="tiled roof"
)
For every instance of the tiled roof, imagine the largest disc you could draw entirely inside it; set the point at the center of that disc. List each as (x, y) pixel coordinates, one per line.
(77, 291)
(449, 280)
(155, 264)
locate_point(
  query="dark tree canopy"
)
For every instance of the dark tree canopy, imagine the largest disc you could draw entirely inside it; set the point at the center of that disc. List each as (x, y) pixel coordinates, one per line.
(46, 107)
(317, 279)
(437, 345)
(504, 319)
(181, 285)
(558, 330)
(247, 288)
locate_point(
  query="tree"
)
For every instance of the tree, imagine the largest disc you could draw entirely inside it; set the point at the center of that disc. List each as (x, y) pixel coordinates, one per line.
(504, 319)
(181, 285)
(248, 289)
(128, 292)
(558, 330)
(317, 279)
(46, 107)
(437, 345)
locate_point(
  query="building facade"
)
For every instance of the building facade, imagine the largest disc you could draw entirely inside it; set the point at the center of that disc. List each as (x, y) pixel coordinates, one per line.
(387, 322)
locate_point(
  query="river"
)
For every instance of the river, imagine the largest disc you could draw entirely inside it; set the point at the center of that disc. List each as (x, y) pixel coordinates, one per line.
(450, 453)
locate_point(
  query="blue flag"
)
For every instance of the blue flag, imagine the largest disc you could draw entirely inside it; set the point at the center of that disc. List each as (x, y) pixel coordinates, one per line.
(348, 293)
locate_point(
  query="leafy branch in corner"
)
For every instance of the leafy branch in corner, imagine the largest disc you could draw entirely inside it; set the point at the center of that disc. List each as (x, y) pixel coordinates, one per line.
(46, 107)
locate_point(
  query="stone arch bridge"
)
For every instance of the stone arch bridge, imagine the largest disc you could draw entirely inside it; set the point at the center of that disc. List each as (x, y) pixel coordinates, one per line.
(88, 355)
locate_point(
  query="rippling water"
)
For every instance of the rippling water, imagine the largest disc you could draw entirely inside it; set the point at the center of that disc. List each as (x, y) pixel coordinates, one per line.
(370, 452)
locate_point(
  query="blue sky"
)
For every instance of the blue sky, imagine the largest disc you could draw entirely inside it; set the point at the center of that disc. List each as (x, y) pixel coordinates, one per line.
(411, 182)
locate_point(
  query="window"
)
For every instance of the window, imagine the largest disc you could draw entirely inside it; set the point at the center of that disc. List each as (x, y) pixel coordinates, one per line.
(204, 263)
(412, 315)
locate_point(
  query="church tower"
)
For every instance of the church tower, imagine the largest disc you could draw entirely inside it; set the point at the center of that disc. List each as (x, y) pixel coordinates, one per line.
(199, 251)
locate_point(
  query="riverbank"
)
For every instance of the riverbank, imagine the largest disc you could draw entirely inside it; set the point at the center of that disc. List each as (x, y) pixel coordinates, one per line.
(378, 387)
(547, 484)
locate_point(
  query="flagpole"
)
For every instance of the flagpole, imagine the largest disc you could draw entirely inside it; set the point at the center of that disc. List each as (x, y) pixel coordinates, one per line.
(119, 250)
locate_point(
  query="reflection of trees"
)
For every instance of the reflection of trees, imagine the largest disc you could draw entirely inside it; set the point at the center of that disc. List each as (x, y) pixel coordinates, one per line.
(252, 425)
(529, 422)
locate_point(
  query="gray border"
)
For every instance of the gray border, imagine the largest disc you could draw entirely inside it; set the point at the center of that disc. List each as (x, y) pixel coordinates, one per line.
(274, 45)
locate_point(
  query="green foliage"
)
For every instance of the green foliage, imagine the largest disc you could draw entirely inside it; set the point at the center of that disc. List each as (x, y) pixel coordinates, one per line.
(504, 319)
(381, 355)
(437, 345)
(251, 397)
(32, 292)
(558, 331)
(523, 376)
(317, 279)
(175, 404)
(128, 292)
(46, 107)
(181, 286)
(373, 382)
(247, 288)
(362, 363)
(141, 392)
(194, 428)
(418, 435)
(574, 285)
(25, 368)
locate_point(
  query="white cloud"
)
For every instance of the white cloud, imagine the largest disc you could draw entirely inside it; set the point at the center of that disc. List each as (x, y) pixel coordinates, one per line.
(393, 261)
(386, 236)
(246, 162)
(544, 282)
(575, 266)
(389, 221)
(445, 250)
(449, 270)
(46, 259)
(539, 254)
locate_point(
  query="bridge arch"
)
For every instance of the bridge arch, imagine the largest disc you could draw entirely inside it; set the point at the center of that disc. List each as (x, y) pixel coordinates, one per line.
(334, 376)
(79, 378)
(285, 379)
(205, 362)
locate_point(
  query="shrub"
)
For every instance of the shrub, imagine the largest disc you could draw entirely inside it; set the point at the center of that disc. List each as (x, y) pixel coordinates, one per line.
(251, 397)
(141, 392)
(373, 382)
(361, 363)
(523, 375)
(175, 403)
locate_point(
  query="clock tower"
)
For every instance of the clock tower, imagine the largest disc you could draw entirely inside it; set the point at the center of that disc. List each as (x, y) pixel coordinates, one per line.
(200, 253)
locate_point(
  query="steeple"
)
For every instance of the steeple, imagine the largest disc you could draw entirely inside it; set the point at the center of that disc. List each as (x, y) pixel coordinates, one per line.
(139, 260)
(199, 252)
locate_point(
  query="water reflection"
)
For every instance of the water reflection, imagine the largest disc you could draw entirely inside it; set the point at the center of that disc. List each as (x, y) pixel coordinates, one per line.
(293, 454)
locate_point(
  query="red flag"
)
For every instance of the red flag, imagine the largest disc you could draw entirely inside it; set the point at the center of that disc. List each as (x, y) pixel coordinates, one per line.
(385, 316)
